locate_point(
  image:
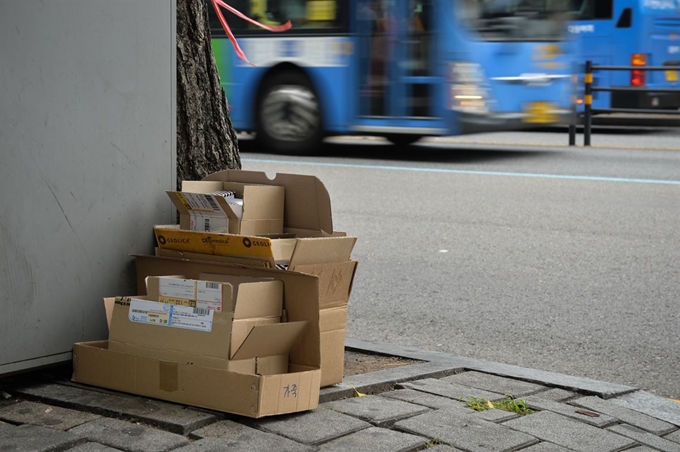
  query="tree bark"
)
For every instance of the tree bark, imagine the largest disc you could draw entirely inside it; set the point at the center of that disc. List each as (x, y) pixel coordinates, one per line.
(206, 140)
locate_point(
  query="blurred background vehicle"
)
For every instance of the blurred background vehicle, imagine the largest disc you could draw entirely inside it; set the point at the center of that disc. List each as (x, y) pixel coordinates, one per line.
(401, 69)
(629, 33)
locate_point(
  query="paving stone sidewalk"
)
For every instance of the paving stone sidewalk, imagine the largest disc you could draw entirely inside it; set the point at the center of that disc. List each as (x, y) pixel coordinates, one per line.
(416, 407)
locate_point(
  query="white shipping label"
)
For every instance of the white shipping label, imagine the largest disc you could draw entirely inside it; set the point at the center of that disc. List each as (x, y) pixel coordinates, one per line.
(207, 222)
(177, 288)
(163, 314)
(209, 295)
(204, 202)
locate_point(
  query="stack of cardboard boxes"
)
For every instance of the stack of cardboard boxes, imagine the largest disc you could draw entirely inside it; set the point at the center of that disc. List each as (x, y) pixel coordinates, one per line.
(243, 306)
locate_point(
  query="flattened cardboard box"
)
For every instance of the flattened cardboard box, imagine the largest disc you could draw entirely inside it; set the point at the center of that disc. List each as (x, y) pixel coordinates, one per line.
(214, 388)
(334, 287)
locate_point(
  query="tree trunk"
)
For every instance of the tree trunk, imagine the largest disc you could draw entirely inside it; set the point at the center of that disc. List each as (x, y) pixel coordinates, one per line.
(206, 140)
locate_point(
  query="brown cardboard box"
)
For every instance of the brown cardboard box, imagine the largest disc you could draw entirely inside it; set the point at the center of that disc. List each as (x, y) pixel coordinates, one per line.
(261, 211)
(161, 375)
(315, 249)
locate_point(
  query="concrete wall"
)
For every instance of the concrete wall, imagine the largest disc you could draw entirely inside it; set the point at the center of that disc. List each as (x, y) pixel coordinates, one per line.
(87, 148)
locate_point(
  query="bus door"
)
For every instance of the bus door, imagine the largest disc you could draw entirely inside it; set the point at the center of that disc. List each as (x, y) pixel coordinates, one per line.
(397, 83)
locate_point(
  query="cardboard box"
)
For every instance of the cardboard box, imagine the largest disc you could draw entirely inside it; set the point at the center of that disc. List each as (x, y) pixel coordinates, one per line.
(169, 320)
(334, 281)
(315, 249)
(259, 212)
(246, 394)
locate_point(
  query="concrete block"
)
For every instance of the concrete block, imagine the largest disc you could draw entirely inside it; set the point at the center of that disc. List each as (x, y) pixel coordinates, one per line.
(645, 438)
(93, 447)
(625, 415)
(653, 405)
(129, 436)
(555, 394)
(494, 383)
(35, 438)
(465, 432)
(424, 399)
(380, 411)
(447, 389)
(312, 427)
(377, 440)
(569, 433)
(48, 416)
(579, 414)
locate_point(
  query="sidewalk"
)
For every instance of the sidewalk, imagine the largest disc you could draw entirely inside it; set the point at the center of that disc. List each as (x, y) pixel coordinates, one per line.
(409, 408)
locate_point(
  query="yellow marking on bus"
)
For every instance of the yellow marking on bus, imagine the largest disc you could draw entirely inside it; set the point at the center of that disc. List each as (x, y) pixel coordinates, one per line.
(589, 78)
(589, 99)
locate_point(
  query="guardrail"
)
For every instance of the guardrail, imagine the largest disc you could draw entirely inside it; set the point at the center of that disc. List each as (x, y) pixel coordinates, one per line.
(588, 97)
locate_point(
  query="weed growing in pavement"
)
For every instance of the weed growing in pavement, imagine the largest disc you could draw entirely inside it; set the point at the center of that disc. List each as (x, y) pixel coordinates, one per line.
(509, 403)
(436, 441)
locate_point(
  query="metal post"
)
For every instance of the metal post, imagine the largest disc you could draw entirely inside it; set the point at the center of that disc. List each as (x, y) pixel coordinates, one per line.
(588, 100)
(574, 116)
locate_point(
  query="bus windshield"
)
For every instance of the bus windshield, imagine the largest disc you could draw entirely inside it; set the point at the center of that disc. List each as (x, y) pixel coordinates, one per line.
(515, 20)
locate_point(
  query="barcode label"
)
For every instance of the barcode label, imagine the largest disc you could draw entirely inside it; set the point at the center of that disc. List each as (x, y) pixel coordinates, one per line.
(168, 315)
(213, 203)
(212, 285)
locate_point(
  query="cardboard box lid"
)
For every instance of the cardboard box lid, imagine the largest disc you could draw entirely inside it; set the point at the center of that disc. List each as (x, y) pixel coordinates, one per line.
(307, 205)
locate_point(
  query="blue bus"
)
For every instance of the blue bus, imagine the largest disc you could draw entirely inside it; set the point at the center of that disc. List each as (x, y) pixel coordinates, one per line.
(400, 69)
(629, 33)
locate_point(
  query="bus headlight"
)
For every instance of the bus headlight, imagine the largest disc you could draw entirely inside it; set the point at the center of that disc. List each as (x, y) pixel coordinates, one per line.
(468, 90)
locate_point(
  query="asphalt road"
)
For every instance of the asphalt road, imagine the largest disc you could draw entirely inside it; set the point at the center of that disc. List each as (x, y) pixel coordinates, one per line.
(514, 247)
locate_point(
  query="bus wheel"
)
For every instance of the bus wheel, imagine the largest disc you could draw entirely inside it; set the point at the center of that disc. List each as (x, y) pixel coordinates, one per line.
(402, 139)
(289, 114)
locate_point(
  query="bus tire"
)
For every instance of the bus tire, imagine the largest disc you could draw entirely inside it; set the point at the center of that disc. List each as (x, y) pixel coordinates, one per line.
(402, 139)
(289, 114)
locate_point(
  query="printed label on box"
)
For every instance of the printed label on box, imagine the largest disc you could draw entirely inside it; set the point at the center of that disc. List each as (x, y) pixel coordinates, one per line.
(199, 221)
(187, 292)
(170, 315)
(201, 202)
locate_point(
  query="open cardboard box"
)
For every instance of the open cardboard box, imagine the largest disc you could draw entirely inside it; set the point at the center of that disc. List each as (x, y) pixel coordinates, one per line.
(260, 211)
(315, 249)
(170, 377)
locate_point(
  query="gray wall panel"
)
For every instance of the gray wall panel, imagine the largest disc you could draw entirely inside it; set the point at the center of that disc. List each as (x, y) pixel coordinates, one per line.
(87, 148)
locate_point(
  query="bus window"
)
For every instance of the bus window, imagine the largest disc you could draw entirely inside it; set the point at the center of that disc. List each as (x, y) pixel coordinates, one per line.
(626, 19)
(591, 9)
(301, 13)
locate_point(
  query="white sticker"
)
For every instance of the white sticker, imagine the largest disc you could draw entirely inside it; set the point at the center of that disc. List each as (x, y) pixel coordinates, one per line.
(177, 288)
(163, 314)
(209, 295)
(202, 222)
(204, 202)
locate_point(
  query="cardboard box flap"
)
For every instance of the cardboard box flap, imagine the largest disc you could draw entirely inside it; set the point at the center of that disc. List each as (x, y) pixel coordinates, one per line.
(253, 297)
(220, 206)
(270, 340)
(321, 250)
(307, 204)
(158, 336)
